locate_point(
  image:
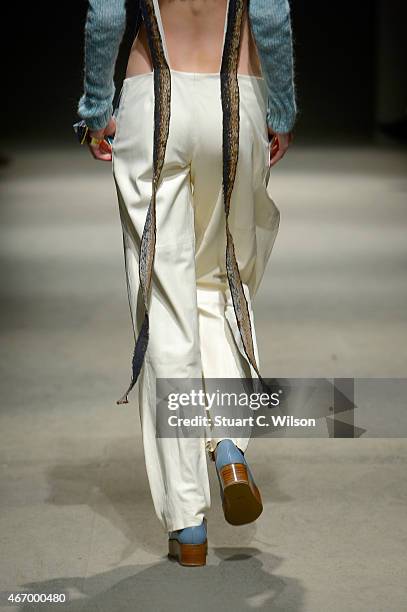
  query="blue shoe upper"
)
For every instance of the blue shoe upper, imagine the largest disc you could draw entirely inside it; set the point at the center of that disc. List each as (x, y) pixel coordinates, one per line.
(227, 452)
(190, 535)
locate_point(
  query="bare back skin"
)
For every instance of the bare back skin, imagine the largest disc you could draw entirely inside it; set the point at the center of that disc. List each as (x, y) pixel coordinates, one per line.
(194, 36)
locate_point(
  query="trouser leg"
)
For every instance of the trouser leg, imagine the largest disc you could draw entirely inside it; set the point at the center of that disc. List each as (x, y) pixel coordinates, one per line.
(220, 354)
(176, 466)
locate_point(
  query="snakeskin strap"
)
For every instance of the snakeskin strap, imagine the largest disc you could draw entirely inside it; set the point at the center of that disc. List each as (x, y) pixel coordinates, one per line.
(162, 111)
(231, 119)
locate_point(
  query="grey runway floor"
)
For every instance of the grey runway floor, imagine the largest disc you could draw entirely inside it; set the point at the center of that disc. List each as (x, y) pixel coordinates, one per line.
(75, 509)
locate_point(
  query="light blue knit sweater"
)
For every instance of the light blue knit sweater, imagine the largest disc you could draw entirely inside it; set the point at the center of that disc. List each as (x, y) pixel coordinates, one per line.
(271, 26)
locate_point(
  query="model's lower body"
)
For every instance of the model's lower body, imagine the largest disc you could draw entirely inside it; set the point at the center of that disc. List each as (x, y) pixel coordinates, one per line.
(193, 328)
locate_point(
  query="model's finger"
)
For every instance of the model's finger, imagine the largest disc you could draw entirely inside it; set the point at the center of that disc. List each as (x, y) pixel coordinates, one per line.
(98, 154)
(273, 148)
(103, 156)
(276, 157)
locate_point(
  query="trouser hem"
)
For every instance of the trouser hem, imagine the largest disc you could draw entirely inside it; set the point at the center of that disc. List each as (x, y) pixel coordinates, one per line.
(182, 523)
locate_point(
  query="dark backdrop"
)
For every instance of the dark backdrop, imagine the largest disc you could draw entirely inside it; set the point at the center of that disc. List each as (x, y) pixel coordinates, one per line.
(350, 66)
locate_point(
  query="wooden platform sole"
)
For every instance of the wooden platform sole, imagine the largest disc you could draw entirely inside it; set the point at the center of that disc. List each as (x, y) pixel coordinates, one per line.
(188, 554)
(241, 498)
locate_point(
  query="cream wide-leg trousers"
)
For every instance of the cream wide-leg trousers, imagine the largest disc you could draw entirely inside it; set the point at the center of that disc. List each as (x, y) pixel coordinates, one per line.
(193, 328)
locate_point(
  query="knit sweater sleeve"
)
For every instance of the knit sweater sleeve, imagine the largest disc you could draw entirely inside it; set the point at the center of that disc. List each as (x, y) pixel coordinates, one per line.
(104, 29)
(271, 26)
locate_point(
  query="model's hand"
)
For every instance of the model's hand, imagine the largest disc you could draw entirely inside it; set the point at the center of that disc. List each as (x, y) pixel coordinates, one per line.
(97, 150)
(279, 144)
